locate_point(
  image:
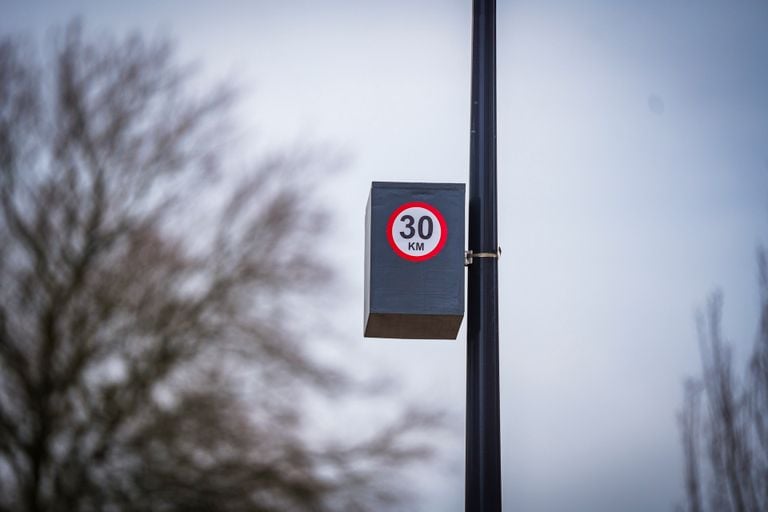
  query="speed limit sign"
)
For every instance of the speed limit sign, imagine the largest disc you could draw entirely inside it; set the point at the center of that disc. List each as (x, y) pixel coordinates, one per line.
(417, 231)
(414, 268)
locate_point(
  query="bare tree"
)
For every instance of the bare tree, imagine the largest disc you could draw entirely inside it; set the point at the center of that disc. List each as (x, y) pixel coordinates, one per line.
(149, 354)
(731, 474)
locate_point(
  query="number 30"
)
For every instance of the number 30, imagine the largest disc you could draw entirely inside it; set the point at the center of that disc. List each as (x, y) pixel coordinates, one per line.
(425, 225)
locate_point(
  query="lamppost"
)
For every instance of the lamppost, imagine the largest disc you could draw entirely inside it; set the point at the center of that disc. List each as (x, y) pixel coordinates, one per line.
(483, 454)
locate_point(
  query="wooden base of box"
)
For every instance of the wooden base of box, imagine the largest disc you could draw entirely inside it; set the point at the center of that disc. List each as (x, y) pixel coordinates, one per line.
(419, 327)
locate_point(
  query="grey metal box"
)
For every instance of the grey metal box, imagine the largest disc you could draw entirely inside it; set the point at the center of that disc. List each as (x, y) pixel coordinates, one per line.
(414, 260)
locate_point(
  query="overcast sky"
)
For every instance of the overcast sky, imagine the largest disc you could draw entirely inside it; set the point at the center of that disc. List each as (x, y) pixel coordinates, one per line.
(633, 181)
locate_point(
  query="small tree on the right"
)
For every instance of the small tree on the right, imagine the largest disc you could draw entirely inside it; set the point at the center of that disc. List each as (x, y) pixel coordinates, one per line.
(724, 418)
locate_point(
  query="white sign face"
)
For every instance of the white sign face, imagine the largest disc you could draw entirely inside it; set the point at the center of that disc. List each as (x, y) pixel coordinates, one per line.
(417, 231)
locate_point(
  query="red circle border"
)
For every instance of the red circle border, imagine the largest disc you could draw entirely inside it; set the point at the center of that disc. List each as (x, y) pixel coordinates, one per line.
(440, 219)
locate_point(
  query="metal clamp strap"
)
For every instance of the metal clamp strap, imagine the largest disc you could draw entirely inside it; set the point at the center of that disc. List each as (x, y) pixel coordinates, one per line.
(470, 255)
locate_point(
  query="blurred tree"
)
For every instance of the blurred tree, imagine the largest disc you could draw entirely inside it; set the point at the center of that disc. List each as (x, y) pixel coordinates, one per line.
(725, 446)
(150, 357)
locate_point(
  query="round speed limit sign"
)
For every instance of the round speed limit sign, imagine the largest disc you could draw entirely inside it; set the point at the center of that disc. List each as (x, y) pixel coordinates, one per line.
(417, 231)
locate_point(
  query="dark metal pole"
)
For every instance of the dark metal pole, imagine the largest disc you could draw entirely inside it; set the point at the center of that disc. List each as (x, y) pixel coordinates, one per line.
(483, 457)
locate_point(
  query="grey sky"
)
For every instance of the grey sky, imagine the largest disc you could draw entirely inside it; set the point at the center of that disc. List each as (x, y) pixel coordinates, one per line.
(633, 173)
